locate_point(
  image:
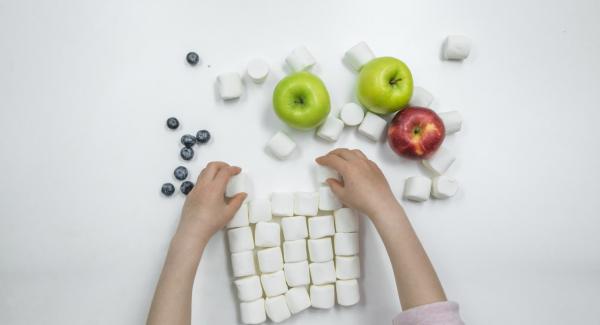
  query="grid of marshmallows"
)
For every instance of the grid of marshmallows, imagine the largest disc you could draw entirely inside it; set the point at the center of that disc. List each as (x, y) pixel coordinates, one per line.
(290, 280)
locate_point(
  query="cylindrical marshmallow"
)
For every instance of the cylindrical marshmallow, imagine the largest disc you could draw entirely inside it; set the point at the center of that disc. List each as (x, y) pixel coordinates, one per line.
(346, 220)
(322, 273)
(300, 59)
(273, 283)
(281, 145)
(277, 309)
(237, 184)
(267, 234)
(242, 264)
(297, 274)
(331, 129)
(347, 292)
(417, 188)
(352, 114)
(270, 259)
(240, 239)
(324, 173)
(421, 98)
(372, 126)
(443, 187)
(347, 267)
(441, 160)
(240, 218)
(294, 228)
(359, 55)
(230, 85)
(249, 288)
(253, 312)
(320, 250)
(452, 121)
(321, 226)
(456, 47)
(257, 70)
(322, 296)
(346, 244)
(327, 200)
(297, 299)
(294, 250)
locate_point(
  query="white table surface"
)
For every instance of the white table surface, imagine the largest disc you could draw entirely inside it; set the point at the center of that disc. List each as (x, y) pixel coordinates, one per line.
(86, 87)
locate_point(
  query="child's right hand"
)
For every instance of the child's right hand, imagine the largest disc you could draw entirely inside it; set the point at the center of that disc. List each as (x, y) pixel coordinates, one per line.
(363, 187)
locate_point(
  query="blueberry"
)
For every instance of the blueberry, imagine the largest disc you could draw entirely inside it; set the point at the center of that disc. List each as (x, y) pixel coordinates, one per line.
(168, 189)
(188, 140)
(181, 173)
(187, 153)
(186, 187)
(203, 136)
(192, 58)
(172, 123)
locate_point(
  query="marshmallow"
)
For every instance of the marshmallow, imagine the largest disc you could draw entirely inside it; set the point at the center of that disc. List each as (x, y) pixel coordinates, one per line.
(359, 55)
(248, 288)
(230, 85)
(282, 204)
(324, 173)
(347, 292)
(352, 114)
(372, 126)
(346, 244)
(327, 200)
(240, 218)
(297, 274)
(306, 203)
(441, 160)
(443, 187)
(259, 210)
(273, 283)
(421, 98)
(322, 297)
(346, 220)
(281, 145)
(331, 129)
(417, 188)
(294, 228)
(240, 239)
(277, 309)
(266, 234)
(253, 312)
(300, 59)
(319, 227)
(294, 250)
(452, 121)
(257, 70)
(270, 260)
(297, 299)
(347, 267)
(456, 47)
(320, 250)
(322, 273)
(242, 264)
(237, 184)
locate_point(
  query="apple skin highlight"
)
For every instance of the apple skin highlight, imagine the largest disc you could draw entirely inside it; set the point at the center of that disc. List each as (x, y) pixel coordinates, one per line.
(416, 133)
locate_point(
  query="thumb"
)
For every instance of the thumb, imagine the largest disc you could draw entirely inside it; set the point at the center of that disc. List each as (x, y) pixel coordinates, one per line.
(336, 187)
(234, 204)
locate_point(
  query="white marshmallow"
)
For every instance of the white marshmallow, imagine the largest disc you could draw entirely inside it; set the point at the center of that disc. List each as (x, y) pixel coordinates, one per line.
(237, 184)
(257, 70)
(270, 260)
(297, 299)
(273, 283)
(327, 200)
(240, 239)
(297, 274)
(294, 250)
(282, 204)
(253, 312)
(346, 244)
(320, 250)
(300, 59)
(277, 309)
(441, 160)
(359, 55)
(331, 129)
(242, 264)
(294, 228)
(266, 234)
(347, 267)
(417, 188)
(452, 121)
(259, 210)
(421, 98)
(306, 203)
(443, 187)
(456, 47)
(248, 288)
(372, 126)
(322, 273)
(352, 114)
(319, 227)
(324, 173)
(281, 145)
(230, 85)
(240, 218)
(347, 292)
(346, 220)
(322, 296)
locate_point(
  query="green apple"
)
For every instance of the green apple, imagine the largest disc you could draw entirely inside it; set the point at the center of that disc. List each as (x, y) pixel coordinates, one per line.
(385, 85)
(301, 100)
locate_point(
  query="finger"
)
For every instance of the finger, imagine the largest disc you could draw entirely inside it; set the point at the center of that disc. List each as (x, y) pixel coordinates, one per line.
(223, 176)
(336, 187)
(359, 154)
(234, 204)
(333, 161)
(344, 153)
(210, 171)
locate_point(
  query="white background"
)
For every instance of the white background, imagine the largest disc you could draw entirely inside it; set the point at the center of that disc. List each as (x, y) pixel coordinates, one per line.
(86, 87)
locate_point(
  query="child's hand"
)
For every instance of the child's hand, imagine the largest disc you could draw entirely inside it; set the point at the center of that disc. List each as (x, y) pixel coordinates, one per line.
(364, 186)
(206, 210)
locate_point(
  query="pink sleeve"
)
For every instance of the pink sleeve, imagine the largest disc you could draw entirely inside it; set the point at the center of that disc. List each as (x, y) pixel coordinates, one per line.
(439, 313)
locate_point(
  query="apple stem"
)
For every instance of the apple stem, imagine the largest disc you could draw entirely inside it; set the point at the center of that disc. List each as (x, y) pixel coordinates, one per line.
(394, 81)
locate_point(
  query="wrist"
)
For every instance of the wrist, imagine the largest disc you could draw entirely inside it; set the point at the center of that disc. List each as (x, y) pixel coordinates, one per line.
(385, 211)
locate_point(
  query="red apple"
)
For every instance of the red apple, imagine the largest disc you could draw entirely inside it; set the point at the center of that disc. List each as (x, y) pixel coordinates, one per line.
(416, 133)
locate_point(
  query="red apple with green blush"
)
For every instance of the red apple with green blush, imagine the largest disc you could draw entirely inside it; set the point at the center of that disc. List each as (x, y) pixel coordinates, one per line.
(416, 133)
